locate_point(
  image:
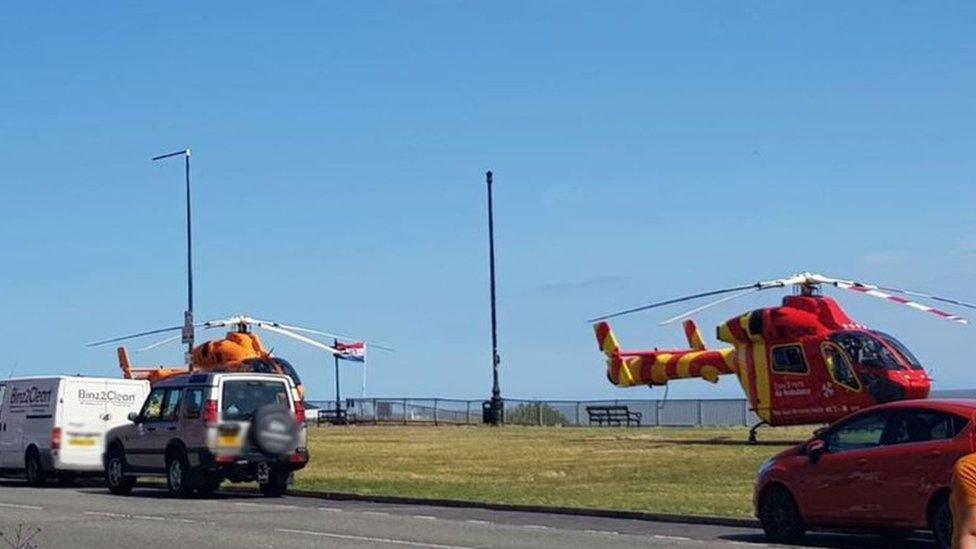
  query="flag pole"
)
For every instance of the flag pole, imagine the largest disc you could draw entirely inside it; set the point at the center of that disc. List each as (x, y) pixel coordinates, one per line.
(335, 344)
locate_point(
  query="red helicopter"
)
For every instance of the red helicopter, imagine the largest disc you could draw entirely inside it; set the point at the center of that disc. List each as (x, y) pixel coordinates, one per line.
(803, 362)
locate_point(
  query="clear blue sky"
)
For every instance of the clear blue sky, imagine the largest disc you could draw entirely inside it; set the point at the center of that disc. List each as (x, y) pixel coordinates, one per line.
(641, 150)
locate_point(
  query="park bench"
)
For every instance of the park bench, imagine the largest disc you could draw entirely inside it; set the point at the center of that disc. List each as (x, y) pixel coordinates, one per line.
(335, 417)
(613, 415)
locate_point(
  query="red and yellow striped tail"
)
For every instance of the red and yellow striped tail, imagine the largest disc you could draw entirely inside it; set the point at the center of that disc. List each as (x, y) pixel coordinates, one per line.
(694, 336)
(630, 368)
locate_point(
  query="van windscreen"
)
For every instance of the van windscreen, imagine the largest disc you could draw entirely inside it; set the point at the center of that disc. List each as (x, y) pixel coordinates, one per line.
(242, 397)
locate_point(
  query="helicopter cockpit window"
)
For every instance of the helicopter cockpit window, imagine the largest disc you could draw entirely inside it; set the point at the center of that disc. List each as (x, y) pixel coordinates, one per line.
(789, 359)
(866, 350)
(260, 366)
(901, 349)
(839, 367)
(288, 369)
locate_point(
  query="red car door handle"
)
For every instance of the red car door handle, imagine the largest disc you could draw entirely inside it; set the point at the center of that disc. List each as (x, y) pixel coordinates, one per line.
(861, 462)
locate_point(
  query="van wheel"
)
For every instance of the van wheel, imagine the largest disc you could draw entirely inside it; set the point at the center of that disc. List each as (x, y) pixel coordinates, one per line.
(940, 520)
(178, 474)
(115, 478)
(32, 468)
(780, 516)
(277, 483)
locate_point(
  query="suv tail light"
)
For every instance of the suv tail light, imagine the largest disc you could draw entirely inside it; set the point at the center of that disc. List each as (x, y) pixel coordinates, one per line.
(56, 438)
(210, 412)
(299, 411)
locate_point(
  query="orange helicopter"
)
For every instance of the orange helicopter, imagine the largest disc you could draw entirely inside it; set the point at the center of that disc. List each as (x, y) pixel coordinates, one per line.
(239, 351)
(803, 362)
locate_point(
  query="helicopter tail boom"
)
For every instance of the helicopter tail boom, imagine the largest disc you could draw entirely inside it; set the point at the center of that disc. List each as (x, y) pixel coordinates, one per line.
(657, 367)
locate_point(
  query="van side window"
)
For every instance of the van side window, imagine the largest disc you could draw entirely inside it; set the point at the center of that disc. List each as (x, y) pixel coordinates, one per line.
(172, 407)
(153, 407)
(192, 403)
(789, 359)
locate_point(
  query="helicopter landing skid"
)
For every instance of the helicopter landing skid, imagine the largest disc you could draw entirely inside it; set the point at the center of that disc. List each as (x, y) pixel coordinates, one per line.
(752, 431)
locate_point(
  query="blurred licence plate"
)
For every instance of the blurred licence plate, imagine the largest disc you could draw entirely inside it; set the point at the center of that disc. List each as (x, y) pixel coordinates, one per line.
(229, 439)
(82, 441)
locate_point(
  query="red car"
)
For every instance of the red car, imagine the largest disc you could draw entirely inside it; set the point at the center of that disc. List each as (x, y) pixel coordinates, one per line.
(885, 468)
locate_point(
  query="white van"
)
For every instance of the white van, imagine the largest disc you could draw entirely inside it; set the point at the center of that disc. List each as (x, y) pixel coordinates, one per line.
(56, 425)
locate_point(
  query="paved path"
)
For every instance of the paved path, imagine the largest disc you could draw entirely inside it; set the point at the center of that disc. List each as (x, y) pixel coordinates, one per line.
(149, 519)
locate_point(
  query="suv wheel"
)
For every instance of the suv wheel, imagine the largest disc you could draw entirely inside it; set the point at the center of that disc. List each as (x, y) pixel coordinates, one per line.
(209, 485)
(32, 468)
(277, 483)
(178, 474)
(940, 520)
(780, 516)
(115, 478)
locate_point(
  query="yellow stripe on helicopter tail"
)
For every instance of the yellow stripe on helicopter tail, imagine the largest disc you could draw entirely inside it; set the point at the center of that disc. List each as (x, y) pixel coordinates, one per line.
(684, 364)
(626, 377)
(659, 370)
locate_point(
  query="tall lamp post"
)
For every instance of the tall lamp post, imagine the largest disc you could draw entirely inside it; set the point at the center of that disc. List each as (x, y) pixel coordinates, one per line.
(495, 411)
(188, 314)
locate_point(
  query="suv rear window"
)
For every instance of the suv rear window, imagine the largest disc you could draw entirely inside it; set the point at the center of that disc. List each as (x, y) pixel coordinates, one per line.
(242, 397)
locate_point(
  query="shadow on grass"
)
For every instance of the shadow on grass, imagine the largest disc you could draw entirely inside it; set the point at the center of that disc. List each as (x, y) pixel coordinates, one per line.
(695, 442)
(835, 540)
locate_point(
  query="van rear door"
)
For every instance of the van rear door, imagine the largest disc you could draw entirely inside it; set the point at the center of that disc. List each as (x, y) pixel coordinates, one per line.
(80, 417)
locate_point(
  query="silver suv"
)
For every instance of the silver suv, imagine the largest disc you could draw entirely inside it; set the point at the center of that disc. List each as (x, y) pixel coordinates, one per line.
(200, 429)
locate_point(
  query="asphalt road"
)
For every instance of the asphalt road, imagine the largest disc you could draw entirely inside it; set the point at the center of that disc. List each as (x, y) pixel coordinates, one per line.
(149, 519)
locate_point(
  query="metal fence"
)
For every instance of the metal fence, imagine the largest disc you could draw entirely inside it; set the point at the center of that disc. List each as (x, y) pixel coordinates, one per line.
(438, 411)
(653, 413)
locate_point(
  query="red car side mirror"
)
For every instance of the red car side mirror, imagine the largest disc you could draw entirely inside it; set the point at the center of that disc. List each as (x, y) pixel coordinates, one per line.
(814, 449)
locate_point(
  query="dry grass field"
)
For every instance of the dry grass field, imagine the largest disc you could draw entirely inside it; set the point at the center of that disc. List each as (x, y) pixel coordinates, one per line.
(669, 470)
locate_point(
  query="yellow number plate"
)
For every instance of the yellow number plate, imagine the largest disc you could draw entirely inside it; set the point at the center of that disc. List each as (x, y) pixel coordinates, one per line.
(81, 441)
(229, 441)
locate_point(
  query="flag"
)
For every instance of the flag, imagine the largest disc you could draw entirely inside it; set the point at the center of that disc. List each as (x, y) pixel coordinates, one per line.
(355, 352)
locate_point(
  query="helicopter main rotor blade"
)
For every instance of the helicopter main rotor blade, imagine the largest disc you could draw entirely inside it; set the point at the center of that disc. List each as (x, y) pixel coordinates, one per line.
(266, 323)
(874, 292)
(757, 285)
(159, 343)
(133, 336)
(711, 304)
(928, 296)
(301, 338)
